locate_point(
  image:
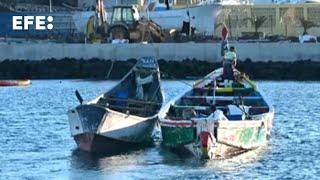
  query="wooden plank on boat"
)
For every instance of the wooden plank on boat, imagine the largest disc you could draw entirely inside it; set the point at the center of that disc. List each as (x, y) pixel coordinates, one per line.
(193, 107)
(132, 101)
(223, 98)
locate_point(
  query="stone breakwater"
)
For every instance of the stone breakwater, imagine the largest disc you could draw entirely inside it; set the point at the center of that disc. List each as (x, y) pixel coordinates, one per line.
(258, 52)
(69, 68)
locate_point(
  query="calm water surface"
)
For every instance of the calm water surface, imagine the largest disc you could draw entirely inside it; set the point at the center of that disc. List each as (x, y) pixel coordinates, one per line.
(35, 141)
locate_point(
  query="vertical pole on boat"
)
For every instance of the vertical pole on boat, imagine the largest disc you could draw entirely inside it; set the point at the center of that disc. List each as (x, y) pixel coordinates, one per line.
(188, 10)
(271, 26)
(214, 91)
(147, 4)
(224, 46)
(229, 25)
(224, 39)
(50, 5)
(80, 99)
(110, 69)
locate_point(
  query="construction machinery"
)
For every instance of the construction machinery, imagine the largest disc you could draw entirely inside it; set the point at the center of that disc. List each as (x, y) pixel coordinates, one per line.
(125, 25)
(97, 26)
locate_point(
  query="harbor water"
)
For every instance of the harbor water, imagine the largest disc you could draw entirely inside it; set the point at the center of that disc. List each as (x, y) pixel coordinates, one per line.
(35, 141)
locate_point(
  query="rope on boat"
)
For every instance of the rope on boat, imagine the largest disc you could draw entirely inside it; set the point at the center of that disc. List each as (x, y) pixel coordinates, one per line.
(184, 82)
(133, 101)
(242, 104)
(173, 78)
(110, 69)
(155, 93)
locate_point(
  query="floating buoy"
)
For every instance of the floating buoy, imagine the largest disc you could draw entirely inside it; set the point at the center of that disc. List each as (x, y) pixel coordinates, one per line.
(15, 82)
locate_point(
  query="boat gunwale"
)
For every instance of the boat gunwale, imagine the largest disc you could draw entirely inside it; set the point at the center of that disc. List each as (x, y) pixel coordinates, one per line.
(193, 122)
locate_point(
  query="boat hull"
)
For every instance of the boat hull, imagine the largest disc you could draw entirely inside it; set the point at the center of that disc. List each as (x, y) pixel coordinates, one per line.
(217, 139)
(96, 143)
(15, 82)
(96, 129)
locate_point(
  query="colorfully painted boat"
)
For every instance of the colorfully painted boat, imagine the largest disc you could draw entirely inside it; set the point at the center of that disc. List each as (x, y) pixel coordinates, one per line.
(122, 117)
(217, 121)
(15, 82)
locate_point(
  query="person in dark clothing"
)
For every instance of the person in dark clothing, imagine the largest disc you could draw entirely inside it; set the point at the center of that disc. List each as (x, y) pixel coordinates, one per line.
(166, 2)
(229, 63)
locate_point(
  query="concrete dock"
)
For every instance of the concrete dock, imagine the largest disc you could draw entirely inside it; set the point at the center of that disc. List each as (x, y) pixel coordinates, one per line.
(168, 51)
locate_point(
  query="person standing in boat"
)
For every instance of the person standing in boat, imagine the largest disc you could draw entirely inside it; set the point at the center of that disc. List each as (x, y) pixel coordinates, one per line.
(229, 63)
(229, 58)
(167, 3)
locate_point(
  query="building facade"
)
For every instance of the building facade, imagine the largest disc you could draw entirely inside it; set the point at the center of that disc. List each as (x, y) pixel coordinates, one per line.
(284, 19)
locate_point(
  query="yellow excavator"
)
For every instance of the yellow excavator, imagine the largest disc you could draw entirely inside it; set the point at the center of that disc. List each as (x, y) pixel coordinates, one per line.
(125, 25)
(97, 27)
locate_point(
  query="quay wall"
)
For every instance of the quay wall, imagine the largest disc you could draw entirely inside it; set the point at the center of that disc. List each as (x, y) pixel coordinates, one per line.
(257, 52)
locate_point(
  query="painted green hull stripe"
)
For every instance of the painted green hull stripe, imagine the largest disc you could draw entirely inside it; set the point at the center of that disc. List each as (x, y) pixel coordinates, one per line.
(177, 136)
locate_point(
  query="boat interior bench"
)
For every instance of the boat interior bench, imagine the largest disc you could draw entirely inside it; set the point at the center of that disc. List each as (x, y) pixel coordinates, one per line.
(222, 100)
(258, 110)
(134, 106)
(203, 111)
(223, 91)
(227, 98)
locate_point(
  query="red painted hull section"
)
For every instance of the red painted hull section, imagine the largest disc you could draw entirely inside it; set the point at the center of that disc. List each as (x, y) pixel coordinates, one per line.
(84, 141)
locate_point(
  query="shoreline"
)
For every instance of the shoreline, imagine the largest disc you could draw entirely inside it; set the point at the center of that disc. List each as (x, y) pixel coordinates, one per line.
(98, 69)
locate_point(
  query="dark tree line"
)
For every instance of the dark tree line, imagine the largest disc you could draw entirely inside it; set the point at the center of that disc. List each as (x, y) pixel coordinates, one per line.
(99, 69)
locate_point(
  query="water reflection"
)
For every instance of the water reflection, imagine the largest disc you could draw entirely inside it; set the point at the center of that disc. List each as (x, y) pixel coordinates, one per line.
(158, 159)
(36, 142)
(99, 161)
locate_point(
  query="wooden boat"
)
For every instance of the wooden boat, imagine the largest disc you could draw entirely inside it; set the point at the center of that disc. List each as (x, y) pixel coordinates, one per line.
(15, 82)
(122, 117)
(214, 121)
